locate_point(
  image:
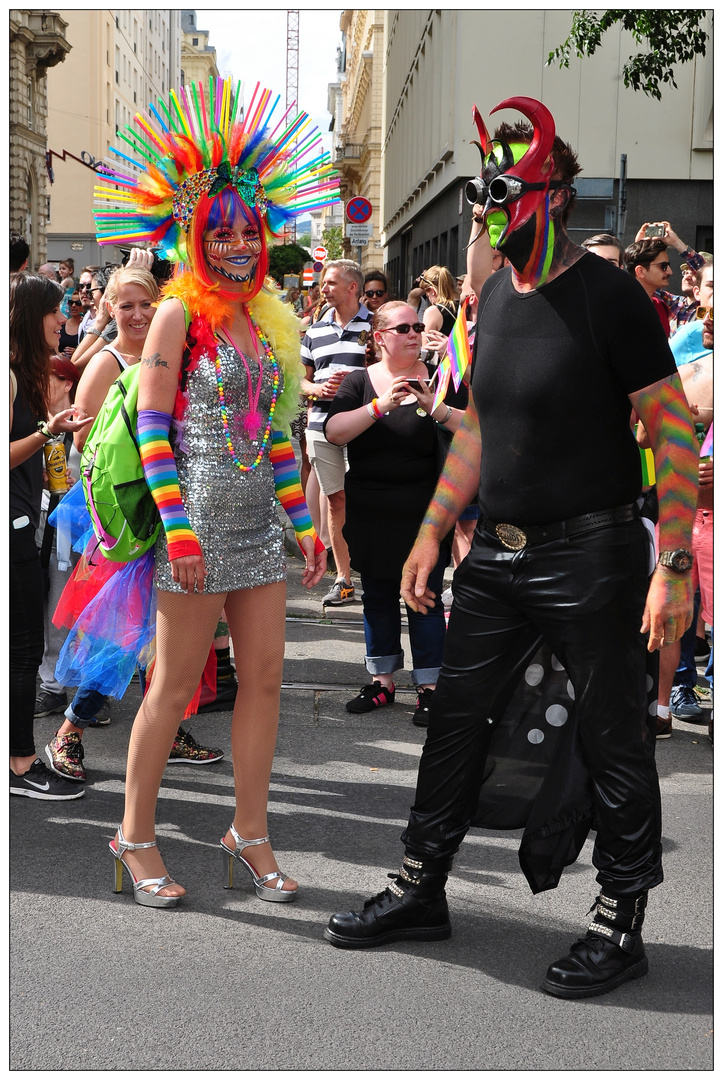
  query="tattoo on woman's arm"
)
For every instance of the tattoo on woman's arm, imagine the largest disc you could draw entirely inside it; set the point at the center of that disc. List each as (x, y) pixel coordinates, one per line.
(154, 361)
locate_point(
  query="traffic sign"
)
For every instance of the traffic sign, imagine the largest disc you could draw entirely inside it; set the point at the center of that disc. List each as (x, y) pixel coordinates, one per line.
(358, 209)
(319, 254)
(357, 233)
(318, 267)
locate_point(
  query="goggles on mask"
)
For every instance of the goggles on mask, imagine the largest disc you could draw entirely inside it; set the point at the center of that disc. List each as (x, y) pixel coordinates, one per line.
(516, 194)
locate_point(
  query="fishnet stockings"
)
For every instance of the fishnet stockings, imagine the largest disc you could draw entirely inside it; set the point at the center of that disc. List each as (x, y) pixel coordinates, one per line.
(185, 630)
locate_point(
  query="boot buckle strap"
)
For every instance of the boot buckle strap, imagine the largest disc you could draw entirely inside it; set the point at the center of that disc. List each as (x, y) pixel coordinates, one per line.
(624, 941)
(396, 891)
(416, 864)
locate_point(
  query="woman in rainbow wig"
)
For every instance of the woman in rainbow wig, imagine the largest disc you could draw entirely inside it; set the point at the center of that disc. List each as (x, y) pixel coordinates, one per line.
(218, 387)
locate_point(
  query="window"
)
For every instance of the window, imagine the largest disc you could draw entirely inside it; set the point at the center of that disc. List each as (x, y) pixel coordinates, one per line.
(195, 41)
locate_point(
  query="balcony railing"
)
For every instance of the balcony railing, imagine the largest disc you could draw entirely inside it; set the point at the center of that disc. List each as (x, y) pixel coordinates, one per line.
(352, 151)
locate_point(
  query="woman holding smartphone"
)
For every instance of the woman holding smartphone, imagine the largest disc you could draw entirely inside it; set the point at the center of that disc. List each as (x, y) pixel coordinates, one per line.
(384, 413)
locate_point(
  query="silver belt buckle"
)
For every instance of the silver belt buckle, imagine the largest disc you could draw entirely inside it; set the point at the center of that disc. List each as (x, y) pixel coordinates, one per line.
(512, 537)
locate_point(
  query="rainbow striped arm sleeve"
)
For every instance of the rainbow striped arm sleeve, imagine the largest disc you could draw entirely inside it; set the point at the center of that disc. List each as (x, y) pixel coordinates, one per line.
(159, 469)
(289, 491)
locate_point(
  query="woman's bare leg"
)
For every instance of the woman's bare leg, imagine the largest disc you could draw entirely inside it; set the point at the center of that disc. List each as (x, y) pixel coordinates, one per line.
(185, 626)
(257, 622)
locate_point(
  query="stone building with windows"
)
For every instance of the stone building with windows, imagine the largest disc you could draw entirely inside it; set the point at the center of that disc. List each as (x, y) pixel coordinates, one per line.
(121, 62)
(37, 43)
(198, 58)
(355, 103)
(438, 63)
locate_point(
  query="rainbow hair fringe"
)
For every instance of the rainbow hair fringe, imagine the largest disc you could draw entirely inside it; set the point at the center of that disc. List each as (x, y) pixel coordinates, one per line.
(199, 142)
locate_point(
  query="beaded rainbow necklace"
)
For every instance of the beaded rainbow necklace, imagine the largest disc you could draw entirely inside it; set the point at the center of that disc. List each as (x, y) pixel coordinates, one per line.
(252, 420)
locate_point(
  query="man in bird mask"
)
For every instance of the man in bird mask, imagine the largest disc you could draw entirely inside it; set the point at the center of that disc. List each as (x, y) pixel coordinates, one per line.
(559, 554)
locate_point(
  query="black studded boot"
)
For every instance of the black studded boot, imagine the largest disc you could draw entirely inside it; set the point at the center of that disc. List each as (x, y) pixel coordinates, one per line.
(414, 906)
(610, 953)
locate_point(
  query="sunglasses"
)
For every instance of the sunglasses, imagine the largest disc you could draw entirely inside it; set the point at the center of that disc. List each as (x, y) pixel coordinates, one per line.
(374, 292)
(704, 312)
(85, 288)
(404, 328)
(661, 265)
(76, 302)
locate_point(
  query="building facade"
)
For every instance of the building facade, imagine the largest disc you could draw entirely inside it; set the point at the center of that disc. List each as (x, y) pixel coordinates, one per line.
(433, 74)
(120, 63)
(356, 107)
(198, 58)
(37, 44)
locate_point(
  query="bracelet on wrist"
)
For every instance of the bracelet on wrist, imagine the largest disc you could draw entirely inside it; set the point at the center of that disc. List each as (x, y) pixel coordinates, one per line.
(375, 411)
(446, 418)
(45, 431)
(370, 410)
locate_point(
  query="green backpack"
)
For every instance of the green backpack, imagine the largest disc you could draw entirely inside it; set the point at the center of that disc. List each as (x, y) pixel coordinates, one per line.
(125, 519)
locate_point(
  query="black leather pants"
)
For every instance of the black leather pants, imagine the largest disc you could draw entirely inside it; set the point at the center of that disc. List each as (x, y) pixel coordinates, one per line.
(585, 596)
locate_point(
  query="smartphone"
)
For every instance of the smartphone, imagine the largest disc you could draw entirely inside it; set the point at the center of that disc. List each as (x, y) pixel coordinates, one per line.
(654, 230)
(420, 385)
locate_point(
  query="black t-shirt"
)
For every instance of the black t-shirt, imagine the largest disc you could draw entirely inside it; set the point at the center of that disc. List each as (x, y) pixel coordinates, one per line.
(552, 372)
(393, 470)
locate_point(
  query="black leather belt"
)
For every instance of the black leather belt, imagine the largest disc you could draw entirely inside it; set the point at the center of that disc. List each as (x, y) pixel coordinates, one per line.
(516, 537)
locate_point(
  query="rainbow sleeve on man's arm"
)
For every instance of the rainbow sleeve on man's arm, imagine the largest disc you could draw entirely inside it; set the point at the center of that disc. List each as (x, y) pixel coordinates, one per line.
(289, 491)
(159, 469)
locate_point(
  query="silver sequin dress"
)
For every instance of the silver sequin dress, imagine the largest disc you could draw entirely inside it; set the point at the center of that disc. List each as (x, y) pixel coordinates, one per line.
(232, 513)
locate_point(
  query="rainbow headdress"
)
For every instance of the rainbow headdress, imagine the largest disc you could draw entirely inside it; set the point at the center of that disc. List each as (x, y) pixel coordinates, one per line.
(201, 142)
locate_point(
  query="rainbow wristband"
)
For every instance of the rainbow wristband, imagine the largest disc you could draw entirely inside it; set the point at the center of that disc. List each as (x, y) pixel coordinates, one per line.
(376, 412)
(159, 469)
(289, 491)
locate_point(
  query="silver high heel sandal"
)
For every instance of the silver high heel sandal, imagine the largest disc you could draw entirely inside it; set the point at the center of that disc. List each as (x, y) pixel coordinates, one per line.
(148, 898)
(264, 892)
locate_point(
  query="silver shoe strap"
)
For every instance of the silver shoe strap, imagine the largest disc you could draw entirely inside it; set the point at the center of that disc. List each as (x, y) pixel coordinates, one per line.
(123, 844)
(241, 843)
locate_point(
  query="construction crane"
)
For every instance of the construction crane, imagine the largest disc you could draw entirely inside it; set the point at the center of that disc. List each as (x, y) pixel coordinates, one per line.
(292, 85)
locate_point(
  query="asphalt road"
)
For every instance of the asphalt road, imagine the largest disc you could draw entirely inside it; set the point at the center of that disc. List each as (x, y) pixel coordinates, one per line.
(227, 982)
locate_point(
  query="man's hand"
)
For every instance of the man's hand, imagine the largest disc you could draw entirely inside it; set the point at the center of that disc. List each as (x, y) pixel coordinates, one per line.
(668, 608)
(422, 560)
(327, 389)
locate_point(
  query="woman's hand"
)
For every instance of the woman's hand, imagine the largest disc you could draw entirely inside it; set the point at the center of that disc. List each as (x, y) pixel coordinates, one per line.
(103, 317)
(190, 572)
(65, 421)
(424, 397)
(141, 257)
(436, 341)
(392, 398)
(315, 563)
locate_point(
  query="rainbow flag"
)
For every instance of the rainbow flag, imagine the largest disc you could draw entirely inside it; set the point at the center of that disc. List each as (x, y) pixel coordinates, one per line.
(458, 345)
(706, 449)
(442, 375)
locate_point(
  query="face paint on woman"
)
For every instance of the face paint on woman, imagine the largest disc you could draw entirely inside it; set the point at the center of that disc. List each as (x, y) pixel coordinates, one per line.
(233, 250)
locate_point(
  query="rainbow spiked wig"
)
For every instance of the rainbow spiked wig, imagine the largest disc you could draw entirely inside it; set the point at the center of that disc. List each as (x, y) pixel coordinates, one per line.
(199, 143)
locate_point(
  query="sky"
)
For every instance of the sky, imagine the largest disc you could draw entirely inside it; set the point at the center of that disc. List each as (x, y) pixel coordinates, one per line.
(251, 46)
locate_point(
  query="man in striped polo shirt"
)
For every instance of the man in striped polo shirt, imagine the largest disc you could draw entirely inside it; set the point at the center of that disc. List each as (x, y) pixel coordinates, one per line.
(331, 347)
